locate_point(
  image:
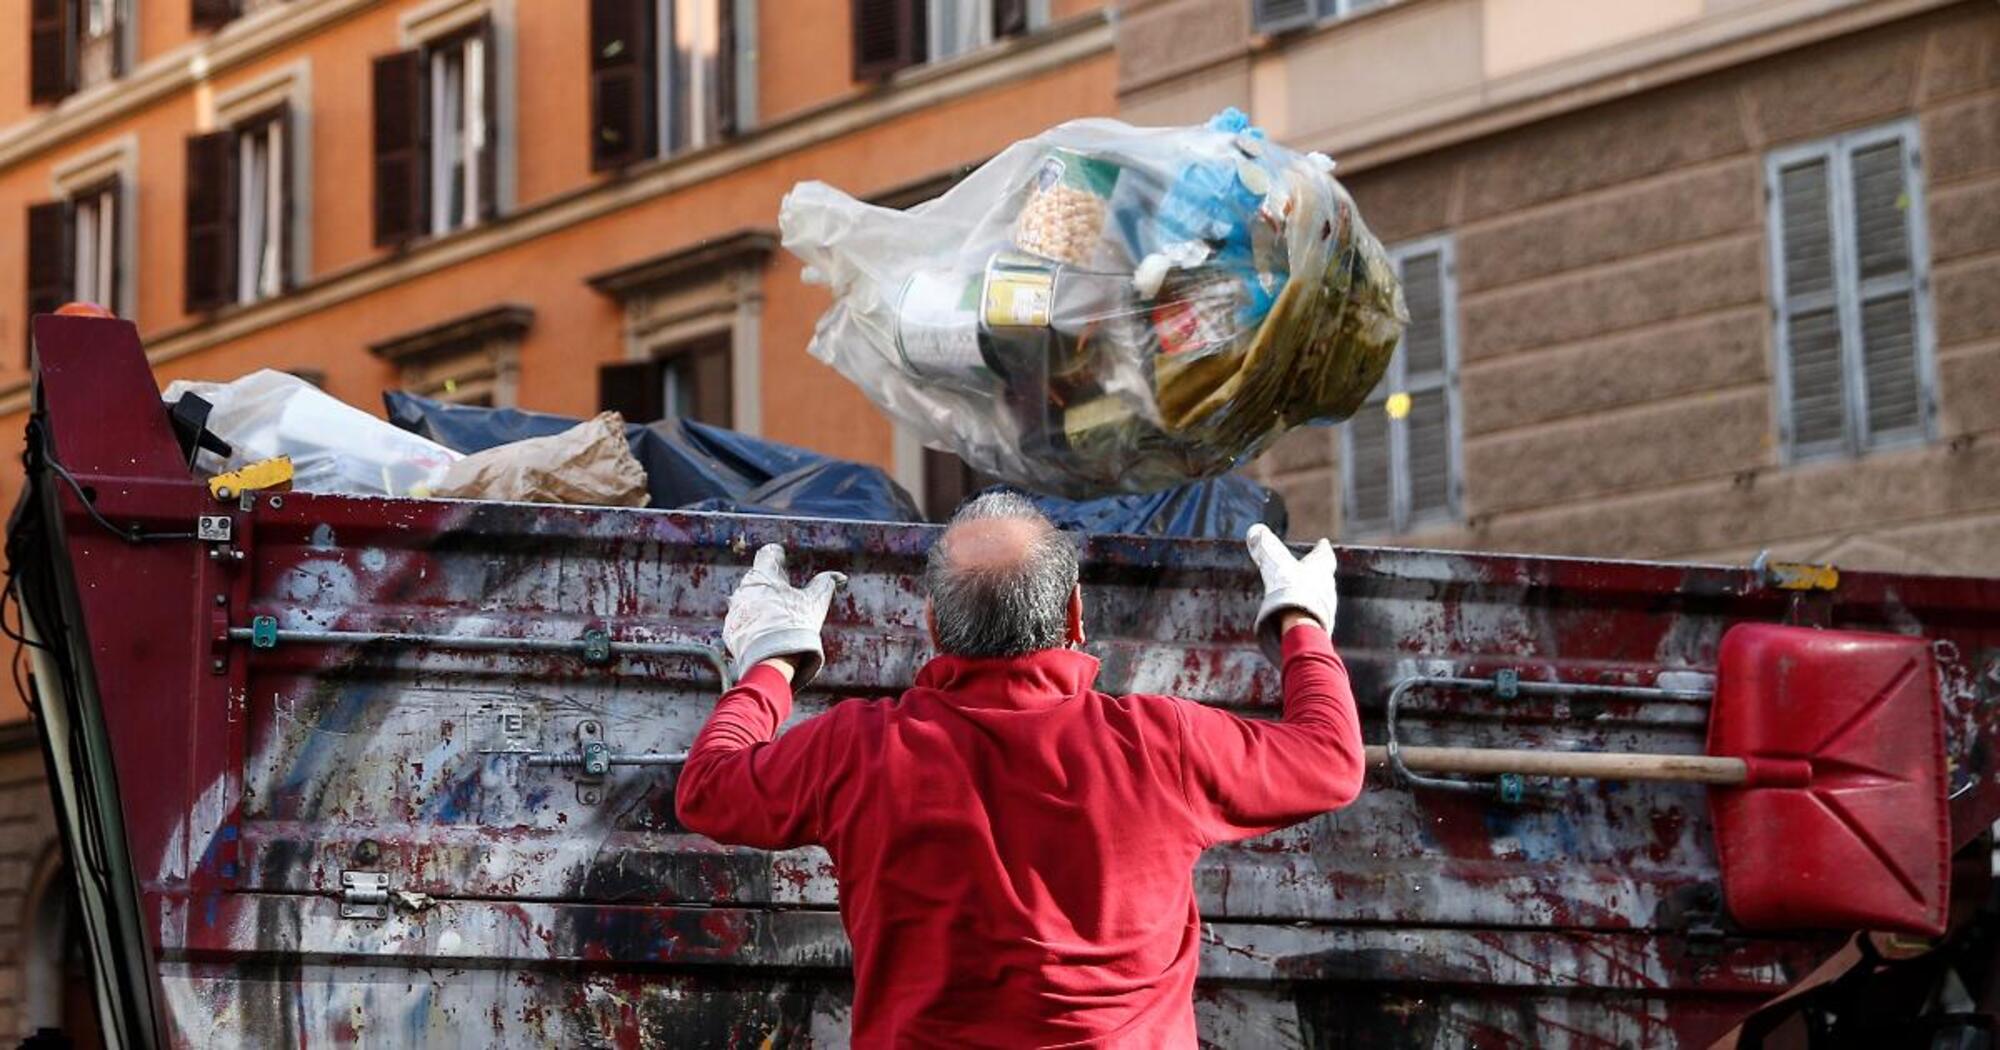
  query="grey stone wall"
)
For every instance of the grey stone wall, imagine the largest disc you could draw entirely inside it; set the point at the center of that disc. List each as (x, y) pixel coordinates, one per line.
(1616, 335)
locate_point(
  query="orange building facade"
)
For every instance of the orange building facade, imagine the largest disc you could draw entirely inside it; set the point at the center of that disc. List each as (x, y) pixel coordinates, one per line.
(495, 200)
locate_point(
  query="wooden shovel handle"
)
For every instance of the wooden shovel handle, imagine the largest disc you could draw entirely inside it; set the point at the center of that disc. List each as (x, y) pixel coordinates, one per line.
(1599, 765)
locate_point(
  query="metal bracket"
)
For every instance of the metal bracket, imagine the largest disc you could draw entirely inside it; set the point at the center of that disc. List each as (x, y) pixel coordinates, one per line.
(596, 647)
(263, 632)
(214, 528)
(1794, 575)
(364, 895)
(596, 761)
(1507, 683)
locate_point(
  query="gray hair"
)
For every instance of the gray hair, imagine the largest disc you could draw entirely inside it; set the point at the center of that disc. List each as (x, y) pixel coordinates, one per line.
(1006, 611)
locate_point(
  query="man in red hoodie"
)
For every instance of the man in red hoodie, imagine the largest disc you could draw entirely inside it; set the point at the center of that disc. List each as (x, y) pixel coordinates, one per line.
(1015, 850)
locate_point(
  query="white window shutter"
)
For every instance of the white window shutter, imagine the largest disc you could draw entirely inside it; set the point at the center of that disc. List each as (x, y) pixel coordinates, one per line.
(1365, 468)
(1428, 432)
(1814, 362)
(1423, 291)
(1808, 229)
(1889, 362)
(1819, 398)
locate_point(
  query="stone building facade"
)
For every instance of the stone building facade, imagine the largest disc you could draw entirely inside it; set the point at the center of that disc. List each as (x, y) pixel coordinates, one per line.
(1706, 278)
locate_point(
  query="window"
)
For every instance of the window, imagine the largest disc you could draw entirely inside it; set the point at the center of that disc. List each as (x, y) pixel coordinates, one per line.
(1850, 286)
(436, 125)
(458, 85)
(214, 14)
(75, 44)
(81, 244)
(696, 88)
(893, 34)
(474, 359)
(948, 482)
(1399, 457)
(685, 381)
(76, 249)
(1274, 16)
(692, 318)
(239, 212)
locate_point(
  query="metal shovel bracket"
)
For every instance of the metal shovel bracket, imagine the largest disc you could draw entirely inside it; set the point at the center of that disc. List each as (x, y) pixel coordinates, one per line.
(1506, 684)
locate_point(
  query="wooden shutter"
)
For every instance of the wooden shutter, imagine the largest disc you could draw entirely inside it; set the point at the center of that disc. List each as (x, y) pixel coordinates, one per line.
(705, 371)
(402, 156)
(51, 59)
(489, 152)
(213, 14)
(622, 96)
(209, 263)
(50, 255)
(1890, 372)
(1427, 455)
(1010, 18)
(888, 36)
(1273, 16)
(725, 71)
(635, 389)
(1814, 364)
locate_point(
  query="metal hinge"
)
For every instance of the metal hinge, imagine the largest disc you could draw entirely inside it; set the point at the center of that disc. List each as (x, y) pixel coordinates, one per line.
(364, 895)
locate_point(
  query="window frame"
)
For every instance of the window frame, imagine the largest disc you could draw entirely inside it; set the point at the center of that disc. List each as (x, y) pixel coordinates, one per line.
(1849, 292)
(1402, 520)
(96, 194)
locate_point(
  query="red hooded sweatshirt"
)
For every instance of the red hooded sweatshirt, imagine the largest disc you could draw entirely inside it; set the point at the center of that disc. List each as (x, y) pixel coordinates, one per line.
(1014, 849)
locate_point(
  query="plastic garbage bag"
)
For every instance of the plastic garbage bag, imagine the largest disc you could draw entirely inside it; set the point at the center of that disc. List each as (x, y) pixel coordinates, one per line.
(1221, 508)
(334, 446)
(689, 465)
(1105, 308)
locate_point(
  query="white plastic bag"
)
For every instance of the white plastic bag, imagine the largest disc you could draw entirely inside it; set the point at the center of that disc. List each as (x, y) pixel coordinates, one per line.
(1105, 308)
(334, 446)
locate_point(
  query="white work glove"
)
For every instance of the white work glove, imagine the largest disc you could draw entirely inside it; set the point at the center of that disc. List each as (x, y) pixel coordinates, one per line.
(1305, 584)
(768, 617)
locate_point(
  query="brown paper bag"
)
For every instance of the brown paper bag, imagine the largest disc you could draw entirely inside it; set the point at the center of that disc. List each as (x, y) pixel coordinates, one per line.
(589, 463)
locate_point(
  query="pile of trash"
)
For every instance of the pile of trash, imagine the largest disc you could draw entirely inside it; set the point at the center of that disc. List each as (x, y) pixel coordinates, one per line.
(272, 429)
(1104, 308)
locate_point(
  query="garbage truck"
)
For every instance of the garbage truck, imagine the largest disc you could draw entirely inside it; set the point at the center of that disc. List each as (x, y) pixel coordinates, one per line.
(345, 770)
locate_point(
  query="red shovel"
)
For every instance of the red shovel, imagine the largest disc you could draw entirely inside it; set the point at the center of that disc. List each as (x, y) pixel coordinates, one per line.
(1826, 750)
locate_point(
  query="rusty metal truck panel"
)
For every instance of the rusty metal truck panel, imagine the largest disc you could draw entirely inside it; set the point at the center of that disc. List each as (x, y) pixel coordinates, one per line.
(345, 770)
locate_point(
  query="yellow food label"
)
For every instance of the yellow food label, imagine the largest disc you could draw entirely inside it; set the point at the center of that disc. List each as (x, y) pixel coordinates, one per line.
(1018, 300)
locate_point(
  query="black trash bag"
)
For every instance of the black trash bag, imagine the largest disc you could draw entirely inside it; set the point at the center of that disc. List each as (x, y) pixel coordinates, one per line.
(689, 465)
(1218, 508)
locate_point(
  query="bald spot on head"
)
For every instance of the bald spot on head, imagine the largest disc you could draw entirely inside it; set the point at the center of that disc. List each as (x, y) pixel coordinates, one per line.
(990, 544)
(1000, 579)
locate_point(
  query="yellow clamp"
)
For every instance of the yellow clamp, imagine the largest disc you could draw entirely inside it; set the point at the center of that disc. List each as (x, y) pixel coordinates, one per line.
(273, 473)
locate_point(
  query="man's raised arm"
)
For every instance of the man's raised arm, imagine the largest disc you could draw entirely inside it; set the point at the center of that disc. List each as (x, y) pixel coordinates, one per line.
(1244, 777)
(741, 784)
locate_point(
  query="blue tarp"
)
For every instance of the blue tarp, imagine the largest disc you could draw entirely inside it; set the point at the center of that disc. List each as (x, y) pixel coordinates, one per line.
(689, 465)
(694, 466)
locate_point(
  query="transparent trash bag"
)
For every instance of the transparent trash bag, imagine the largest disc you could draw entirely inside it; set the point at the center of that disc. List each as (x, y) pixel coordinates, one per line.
(1104, 308)
(334, 446)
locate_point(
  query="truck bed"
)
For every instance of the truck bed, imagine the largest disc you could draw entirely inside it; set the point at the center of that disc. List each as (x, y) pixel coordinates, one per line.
(325, 782)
